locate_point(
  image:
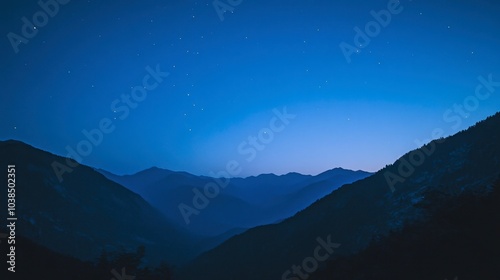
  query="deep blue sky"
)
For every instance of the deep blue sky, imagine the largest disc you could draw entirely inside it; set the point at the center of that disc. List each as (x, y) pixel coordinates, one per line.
(226, 77)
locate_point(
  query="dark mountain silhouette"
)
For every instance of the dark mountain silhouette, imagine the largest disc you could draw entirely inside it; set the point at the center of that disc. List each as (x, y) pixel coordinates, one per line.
(34, 261)
(459, 240)
(243, 204)
(468, 162)
(86, 213)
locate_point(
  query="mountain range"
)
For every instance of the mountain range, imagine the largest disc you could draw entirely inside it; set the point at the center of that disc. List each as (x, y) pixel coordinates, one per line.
(339, 223)
(244, 203)
(87, 213)
(351, 216)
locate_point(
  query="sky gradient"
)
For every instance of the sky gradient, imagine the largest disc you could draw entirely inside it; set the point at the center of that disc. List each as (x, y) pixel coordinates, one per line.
(229, 73)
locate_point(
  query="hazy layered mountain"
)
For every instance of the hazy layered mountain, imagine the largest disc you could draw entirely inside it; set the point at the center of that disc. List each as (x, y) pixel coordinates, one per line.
(167, 191)
(85, 213)
(244, 203)
(352, 215)
(139, 180)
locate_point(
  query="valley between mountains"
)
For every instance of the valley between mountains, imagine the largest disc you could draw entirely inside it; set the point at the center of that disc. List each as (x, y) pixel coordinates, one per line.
(436, 207)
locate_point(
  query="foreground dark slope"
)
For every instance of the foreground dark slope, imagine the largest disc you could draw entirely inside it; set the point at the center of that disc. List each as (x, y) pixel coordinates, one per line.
(34, 261)
(352, 215)
(459, 240)
(85, 213)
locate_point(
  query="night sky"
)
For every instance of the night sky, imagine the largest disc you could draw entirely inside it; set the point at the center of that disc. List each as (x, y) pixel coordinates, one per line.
(228, 72)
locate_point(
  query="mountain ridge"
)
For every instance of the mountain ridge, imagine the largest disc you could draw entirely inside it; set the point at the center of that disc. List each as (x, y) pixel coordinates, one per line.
(356, 212)
(86, 213)
(256, 200)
